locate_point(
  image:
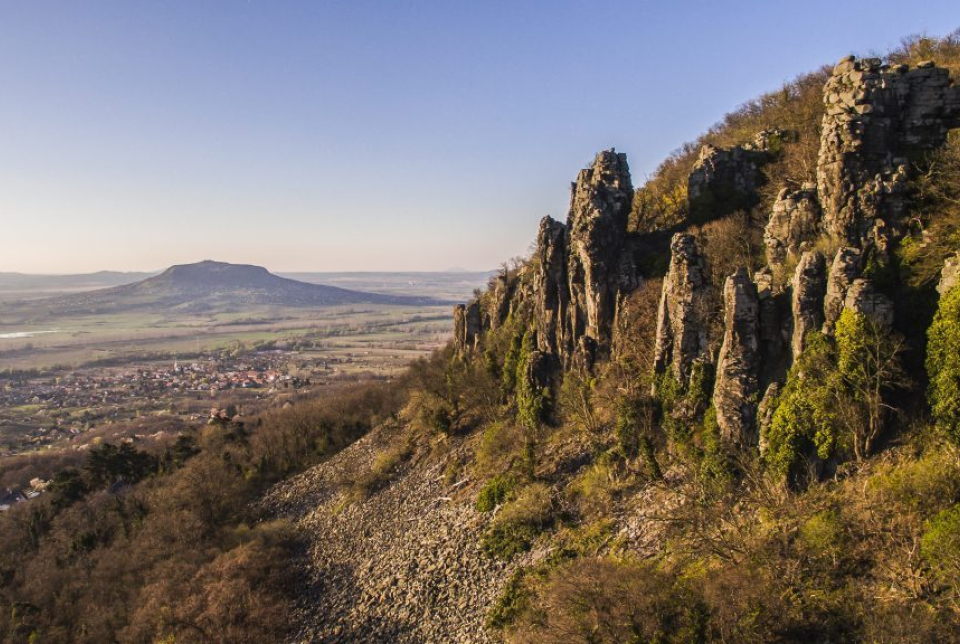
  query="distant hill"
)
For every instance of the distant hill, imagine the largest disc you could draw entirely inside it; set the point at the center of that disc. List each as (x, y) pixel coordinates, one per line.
(209, 286)
(440, 284)
(21, 283)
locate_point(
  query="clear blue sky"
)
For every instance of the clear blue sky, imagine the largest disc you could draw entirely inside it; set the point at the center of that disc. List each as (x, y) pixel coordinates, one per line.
(358, 135)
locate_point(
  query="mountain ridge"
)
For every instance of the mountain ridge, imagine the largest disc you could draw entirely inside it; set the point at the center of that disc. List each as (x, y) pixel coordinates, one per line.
(210, 284)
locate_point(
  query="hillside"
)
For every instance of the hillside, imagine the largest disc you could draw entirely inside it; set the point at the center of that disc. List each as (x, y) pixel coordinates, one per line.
(21, 284)
(211, 286)
(723, 406)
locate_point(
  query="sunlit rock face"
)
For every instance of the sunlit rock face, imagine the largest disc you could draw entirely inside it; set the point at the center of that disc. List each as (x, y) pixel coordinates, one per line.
(681, 335)
(876, 117)
(596, 229)
(735, 395)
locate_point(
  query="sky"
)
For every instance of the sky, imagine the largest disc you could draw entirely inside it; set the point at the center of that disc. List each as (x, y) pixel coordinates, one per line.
(361, 135)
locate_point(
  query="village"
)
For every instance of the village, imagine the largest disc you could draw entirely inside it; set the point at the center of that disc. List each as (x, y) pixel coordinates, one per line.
(38, 412)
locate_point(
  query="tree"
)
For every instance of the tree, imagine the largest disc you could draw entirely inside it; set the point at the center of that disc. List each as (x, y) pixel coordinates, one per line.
(805, 421)
(533, 397)
(868, 361)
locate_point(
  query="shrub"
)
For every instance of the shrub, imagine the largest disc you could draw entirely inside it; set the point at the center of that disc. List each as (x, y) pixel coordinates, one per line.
(499, 446)
(510, 603)
(519, 523)
(805, 423)
(384, 469)
(496, 492)
(943, 365)
(597, 486)
(600, 601)
(940, 546)
(822, 535)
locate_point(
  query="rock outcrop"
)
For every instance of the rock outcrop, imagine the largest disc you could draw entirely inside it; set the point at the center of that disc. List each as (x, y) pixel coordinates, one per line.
(737, 387)
(843, 271)
(864, 299)
(876, 117)
(551, 291)
(500, 297)
(950, 275)
(794, 224)
(596, 227)
(809, 289)
(466, 326)
(723, 180)
(681, 333)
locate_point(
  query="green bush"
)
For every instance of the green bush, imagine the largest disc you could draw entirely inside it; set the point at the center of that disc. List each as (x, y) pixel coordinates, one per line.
(506, 540)
(940, 546)
(510, 603)
(943, 365)
(497, 491)
(805, 422)
(519, 523)
(822, 535)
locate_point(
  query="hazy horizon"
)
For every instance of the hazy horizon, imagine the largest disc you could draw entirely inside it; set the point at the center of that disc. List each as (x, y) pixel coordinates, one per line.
(364, 136)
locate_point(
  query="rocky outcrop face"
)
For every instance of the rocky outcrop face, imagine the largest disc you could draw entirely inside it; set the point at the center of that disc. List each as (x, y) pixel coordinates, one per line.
(597, 226)
(864, 299)
(681, 333)
(774, 337)
(466, 326)
(737, 387)
(723, 180)
(501, 293)
(794, 224)
(950, 275)
(765, 412)
(876, 117)
(551, 291)
(809, 289)
(843, 271)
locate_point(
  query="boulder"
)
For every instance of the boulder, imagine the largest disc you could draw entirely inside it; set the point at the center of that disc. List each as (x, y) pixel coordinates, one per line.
(723, 180)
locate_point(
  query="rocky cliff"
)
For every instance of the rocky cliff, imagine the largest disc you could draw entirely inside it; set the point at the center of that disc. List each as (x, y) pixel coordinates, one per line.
(876, 119)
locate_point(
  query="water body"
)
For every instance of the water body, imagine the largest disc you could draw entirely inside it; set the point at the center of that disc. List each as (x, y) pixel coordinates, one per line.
(26, 334)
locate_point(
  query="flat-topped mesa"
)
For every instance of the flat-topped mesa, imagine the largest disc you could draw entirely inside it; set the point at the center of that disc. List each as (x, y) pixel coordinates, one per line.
(466, 326)
(550, 288)
(735, 395)
(681, 329)
(596, 230)
(794, 224)
(877, 117)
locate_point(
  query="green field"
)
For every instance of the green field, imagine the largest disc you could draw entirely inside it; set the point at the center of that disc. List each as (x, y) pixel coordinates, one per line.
(393, 333)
